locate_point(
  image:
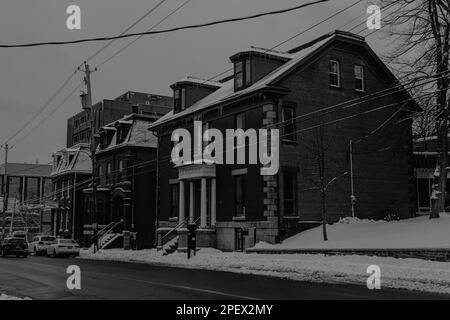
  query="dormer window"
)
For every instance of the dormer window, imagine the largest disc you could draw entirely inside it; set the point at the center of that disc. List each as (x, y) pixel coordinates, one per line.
(179, 98)
(242, 74)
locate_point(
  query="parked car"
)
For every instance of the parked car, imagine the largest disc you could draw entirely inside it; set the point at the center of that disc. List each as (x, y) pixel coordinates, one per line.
(19, 234)
(14, 246)
(63, 247)
(40, 244)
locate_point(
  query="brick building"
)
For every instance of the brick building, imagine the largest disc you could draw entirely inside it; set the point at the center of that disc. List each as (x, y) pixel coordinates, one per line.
(127, 179)
(107, 111)
(71, 173)
(234, 205)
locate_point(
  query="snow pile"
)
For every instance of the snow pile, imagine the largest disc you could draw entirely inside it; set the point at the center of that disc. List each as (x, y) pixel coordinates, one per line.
(352, 220)
(6, 297)
(264, 245)
(411, 274)
(419, 232)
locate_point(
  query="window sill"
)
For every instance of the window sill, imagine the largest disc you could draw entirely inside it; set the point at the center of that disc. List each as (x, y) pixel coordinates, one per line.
(241, 218)
(336, 87)
(360, 91)
(173, 219)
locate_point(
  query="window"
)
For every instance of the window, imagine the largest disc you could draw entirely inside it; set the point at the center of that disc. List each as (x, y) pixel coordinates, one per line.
(179, 98)
(108, 171)
(288, 126)
(183, 98)
(248, 72)
(242, 73)
(239, 185)
(176, 99)
(239, 75)
(174, 199)
(100, 173)
(205, 127)
(335, 74)
(359, 78)
(240, 121)
(120, 171)
(290, 193)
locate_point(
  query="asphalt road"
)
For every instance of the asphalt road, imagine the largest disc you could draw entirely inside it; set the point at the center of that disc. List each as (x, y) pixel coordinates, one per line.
(45, 278)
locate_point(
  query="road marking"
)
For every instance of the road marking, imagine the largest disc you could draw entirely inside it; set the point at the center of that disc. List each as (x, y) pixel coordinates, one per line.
(190, 288)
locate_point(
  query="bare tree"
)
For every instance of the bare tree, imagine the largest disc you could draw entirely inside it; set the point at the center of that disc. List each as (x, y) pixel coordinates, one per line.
(420, 31)
(319, 161)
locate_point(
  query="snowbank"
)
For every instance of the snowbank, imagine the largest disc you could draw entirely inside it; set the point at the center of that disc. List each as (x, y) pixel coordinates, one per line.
(362, 234)
(6, 297)
(408, 274)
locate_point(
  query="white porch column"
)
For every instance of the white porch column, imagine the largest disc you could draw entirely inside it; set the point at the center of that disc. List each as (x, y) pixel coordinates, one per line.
(191, 202)
(203, 208)
(213, 201)
(182, 215)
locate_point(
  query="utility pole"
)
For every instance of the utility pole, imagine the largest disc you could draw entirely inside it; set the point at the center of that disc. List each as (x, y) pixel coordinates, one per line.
(352, 187)
(5, 187)
(87, 106)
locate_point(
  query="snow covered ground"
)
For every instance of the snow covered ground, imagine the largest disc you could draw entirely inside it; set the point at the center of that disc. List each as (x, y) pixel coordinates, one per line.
(410, 274)
(419, 232)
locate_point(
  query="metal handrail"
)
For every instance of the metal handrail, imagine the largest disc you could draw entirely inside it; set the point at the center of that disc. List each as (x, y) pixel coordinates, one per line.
(172, 230)
(176, 227)
(101, 233)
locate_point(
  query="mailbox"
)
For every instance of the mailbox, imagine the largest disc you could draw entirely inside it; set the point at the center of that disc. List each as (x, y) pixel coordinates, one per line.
(192, 239)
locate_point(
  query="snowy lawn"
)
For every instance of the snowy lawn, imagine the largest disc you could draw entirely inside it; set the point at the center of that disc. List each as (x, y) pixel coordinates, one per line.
(419, 232)
(408, 274)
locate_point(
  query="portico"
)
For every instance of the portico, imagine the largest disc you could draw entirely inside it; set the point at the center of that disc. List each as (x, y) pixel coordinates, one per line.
(199, 181)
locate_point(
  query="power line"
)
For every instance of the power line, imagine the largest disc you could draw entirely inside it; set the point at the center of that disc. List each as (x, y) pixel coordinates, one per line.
(126, 30)
(65, 83)
(296, 35)
(188, 27)
(139, 37)
(53, 97)
(49, 115)
(147, 162)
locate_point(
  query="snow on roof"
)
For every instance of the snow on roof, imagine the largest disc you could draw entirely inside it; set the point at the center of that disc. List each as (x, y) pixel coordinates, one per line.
(138, 135)
(74, 159)
(200, 81)
(267, 52)
(227, 92)
(127, 122)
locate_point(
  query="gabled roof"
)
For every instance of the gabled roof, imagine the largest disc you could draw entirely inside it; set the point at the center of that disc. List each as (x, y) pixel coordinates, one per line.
(26, 169)
(296, 56)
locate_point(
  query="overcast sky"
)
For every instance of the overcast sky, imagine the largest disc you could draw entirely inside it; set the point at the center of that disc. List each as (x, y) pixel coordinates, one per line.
(29, 76)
